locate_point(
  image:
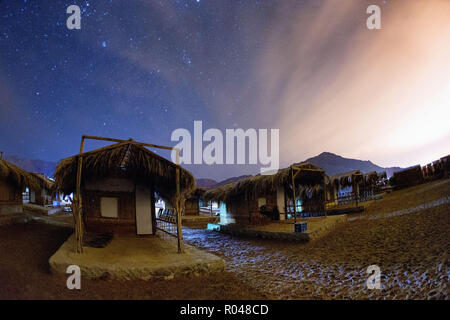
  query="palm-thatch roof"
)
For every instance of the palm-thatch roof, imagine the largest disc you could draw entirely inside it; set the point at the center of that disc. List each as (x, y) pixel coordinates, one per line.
(196, 193)
(310, 177)
(128, 159)
(218, 194)
(17, 176)
(44, 182)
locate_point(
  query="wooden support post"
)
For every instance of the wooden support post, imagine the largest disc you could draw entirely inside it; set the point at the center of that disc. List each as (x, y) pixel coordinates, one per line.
(178, 205)
(78, 206)
(293, 195)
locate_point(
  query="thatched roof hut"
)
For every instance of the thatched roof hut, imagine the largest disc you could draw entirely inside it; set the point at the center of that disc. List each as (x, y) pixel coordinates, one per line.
(118, 183)
(192, 201)
(263, 184)
(42, 195)
(13, 181)
(347, 179)
(16, 176)
(124, 159)
(243, 198)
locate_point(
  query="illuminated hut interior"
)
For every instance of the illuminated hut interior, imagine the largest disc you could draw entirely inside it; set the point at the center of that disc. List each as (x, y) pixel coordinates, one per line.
(13, 181)
(118, 185)
(263, 198)
(346, 186)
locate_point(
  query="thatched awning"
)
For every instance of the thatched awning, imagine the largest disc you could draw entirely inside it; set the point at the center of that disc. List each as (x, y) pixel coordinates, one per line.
(346, 179)
(218, 194)
(196, 193)
(17, 176)
(129, 160)
(309, 176)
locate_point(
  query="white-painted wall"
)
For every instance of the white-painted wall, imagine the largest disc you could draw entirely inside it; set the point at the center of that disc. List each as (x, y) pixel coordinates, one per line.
(143, 210)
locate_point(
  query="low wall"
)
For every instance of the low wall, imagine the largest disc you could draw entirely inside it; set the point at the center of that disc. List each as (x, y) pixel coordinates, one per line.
(237, 230)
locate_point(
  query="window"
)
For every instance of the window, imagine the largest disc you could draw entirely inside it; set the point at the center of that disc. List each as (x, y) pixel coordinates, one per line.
(261, 202)
(109, 207)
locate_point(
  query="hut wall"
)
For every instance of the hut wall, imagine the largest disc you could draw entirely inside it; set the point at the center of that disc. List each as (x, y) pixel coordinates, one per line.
(409, 177)
(121, 189)
(41, 197)
(246, 211)
(10, 199)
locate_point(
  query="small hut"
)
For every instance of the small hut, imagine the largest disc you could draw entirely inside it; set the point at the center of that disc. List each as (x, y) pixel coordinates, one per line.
(13, 181)
(262, 198)
(43, 195)
(346, 186)
(118, 186)
(408, 177)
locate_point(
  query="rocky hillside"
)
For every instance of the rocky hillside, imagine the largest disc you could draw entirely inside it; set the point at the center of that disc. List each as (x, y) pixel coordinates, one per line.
(334, 164)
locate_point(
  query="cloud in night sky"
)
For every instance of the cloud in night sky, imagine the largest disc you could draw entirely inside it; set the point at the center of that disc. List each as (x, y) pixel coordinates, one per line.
(141, 69)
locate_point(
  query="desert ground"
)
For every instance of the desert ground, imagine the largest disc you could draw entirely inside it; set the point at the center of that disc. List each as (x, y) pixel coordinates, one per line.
(411, 247)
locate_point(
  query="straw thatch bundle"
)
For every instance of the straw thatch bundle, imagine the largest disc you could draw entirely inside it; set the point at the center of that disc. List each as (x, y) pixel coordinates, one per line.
(347, 179)
(17, 176)
(127, 159)
(44, 182)
(196, 193)
(218, 194)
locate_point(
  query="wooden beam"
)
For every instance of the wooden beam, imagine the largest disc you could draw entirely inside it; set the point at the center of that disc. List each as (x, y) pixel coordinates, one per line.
(293, 196)
(178, 204)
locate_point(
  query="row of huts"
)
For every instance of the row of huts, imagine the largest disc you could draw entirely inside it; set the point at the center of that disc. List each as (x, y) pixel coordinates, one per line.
(260, 199)
(417, 174)
(118, 186)
(13, 183)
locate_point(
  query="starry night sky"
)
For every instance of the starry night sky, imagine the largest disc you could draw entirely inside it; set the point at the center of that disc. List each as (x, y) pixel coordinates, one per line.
(141, 69)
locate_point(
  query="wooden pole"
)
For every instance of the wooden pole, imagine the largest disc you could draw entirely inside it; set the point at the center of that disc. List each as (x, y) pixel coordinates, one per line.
(178, 205)
(293, 195)
(78, 206)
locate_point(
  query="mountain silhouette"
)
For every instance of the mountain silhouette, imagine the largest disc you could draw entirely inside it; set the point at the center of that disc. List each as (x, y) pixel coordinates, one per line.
(335, 164)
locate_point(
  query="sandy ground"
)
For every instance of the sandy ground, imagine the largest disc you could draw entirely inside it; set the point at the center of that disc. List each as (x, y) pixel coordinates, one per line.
(412, 251)
(24, 273)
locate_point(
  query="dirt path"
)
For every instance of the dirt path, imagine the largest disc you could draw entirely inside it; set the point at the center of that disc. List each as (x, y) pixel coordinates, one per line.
(411, 251)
